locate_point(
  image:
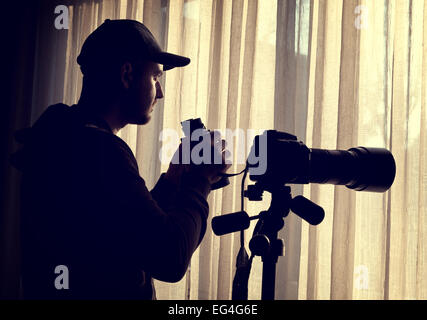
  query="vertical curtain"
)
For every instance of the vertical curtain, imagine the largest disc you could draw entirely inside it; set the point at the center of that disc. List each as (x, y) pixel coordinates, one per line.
(20, 23)
(367, 86)
(335, 73)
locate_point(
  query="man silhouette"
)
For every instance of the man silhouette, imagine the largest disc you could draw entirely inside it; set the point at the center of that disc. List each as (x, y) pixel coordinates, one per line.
(84, 205)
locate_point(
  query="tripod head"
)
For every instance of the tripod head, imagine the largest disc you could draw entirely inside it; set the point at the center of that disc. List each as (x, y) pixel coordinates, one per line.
(281, 203)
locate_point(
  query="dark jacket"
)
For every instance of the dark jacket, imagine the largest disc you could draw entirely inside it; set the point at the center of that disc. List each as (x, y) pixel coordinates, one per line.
(85, 206)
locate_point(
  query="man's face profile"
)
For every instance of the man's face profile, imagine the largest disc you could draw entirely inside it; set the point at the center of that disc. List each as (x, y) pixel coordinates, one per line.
(143, 89)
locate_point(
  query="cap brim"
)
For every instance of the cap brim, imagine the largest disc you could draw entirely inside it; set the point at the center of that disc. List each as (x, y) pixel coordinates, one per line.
(170, 60)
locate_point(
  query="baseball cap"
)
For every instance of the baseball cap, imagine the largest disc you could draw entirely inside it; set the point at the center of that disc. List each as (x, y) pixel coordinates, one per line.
(121, 39)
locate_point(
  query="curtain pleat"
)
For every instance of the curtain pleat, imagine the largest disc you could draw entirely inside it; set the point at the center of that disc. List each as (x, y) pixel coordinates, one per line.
(343, 230)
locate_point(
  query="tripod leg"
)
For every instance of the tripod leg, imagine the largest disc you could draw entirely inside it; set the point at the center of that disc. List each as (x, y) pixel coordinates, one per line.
(268, 278)
(269, 269)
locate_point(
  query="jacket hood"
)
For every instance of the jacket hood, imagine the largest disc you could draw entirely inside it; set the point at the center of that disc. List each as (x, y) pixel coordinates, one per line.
(50, 125)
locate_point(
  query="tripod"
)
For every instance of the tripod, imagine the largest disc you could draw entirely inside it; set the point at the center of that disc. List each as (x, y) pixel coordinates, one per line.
(265, 241)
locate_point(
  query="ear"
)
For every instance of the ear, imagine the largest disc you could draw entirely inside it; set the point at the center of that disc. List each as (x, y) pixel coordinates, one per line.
(126, 75)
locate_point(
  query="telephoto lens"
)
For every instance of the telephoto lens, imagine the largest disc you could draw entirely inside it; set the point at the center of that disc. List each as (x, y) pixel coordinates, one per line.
(361, 169)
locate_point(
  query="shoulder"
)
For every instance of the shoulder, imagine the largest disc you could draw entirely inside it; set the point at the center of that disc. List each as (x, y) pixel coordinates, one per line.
(111, 148)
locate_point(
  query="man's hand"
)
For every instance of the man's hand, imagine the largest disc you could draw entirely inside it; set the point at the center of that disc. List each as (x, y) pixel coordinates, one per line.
(209, 171)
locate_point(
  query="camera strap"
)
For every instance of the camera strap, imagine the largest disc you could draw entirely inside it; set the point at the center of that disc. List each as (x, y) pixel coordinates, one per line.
(243, 261)
(241, 278)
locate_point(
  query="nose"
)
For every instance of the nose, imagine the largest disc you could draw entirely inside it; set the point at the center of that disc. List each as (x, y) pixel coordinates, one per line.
(159, 91)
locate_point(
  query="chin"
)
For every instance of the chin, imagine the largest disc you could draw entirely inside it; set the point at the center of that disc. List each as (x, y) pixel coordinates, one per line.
(141, 120)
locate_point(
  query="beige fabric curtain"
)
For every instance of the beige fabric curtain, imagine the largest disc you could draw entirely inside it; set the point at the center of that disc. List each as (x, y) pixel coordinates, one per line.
(335, 73)
(367, 86)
